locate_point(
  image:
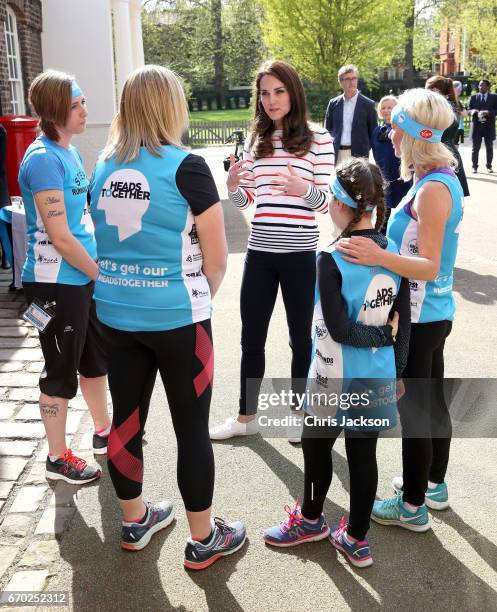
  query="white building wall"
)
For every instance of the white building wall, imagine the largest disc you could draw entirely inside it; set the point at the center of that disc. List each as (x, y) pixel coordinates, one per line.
(77, 39)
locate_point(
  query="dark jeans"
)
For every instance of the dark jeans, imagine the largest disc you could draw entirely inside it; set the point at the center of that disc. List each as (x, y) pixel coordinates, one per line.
(478, 136)
(425, 418)
(263, 273)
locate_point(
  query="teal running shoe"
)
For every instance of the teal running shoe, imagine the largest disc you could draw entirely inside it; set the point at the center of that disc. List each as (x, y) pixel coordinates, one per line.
(436, 499)
(393, 512)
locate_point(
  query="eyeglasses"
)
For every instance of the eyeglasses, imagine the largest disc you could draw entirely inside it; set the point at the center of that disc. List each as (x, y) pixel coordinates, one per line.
(351, 79)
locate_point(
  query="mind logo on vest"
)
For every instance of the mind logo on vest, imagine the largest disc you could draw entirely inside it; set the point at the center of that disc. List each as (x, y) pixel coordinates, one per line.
(125, 197)
(378, 301)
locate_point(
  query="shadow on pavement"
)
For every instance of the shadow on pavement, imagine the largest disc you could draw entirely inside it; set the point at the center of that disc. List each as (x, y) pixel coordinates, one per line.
(215, 584)
(477, 288)
(411, 571)
(237, 230)
(291, 475)
(481, 179)
(486, 549)
(105, 577)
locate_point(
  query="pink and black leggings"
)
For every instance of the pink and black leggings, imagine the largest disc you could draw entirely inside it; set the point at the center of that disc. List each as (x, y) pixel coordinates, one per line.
(184, 358)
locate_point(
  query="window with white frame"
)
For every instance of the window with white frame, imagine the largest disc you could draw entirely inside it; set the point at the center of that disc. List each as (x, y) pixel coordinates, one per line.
(14, 62)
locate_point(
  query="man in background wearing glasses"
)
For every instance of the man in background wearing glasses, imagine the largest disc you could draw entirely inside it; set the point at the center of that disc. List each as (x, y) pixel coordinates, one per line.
(350, 117)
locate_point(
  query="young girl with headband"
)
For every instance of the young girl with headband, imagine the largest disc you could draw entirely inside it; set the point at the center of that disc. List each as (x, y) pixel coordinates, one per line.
(425, 227)
(361, 331)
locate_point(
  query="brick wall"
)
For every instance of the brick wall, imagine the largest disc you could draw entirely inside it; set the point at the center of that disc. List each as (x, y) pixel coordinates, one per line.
(29, 26)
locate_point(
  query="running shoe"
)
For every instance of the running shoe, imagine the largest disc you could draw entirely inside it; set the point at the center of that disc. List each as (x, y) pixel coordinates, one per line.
(71, 469)
(135, 536)
(232, 428)
(226, 539)
(357, 553)
(296, 530)
(436, 499)
(100, 444)
(393, 512)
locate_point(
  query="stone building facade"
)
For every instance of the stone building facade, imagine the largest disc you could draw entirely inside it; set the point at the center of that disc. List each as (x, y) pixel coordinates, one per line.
(20, 53)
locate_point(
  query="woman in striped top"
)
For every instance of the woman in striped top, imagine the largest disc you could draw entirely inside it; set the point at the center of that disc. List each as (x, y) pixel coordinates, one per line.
(286, 168)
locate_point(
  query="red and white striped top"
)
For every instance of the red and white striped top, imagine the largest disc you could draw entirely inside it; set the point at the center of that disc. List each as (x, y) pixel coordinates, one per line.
(287, 223)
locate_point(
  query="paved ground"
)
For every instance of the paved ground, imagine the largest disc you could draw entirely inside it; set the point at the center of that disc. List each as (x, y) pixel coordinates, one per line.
(69, 539)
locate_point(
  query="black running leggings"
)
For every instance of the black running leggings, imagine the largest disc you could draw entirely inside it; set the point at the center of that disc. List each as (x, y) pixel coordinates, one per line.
(318, 471)
(184, 358)
(424, 409)
(263, 273)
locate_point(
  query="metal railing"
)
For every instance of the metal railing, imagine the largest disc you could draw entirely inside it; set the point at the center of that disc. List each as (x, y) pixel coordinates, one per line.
(212, 132)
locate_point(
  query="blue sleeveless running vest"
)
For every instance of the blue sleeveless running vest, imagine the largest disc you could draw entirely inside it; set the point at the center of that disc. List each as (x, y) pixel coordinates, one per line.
(369, 294)
(150, 262)
(430, 300)
(43, 262)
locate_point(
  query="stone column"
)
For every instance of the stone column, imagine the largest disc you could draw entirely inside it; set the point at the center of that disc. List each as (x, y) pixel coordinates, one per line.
(122, 40)
(136, 34)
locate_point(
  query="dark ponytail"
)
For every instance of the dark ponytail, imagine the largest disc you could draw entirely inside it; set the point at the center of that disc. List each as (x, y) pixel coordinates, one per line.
(364, 182)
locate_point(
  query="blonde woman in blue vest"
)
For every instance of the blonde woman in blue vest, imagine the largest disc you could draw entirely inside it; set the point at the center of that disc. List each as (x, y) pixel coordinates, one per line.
(425, 226)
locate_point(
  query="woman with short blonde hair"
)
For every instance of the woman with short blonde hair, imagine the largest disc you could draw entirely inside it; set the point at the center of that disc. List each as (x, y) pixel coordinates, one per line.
(425, 227)
(162, 257)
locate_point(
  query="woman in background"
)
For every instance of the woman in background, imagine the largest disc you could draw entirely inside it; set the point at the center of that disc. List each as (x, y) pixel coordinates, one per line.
(384, 156)
(443, 86)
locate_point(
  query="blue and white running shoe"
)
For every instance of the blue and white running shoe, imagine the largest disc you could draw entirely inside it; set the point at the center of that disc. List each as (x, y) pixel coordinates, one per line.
(436, 499)
(296, 530)
(357, 553)
(393, 512)
(225, 540)
(135, 536)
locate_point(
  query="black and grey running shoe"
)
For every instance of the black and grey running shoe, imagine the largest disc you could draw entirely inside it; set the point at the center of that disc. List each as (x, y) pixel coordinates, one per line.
(135, 536)
(226, 539)
(71, 469)
(100, 444)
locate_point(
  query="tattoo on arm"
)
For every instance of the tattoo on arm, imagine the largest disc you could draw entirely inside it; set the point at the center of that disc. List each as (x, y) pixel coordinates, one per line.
(54, 213)
(51, 200)
(49, 410)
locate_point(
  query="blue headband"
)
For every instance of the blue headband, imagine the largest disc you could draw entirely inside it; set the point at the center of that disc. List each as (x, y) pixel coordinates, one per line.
(75, 90)
(413, 128)
(340, 194)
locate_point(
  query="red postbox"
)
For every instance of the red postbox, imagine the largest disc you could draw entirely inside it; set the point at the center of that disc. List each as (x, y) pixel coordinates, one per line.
(21, 131)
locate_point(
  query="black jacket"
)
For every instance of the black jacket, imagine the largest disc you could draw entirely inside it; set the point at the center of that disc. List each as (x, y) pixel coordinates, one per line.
(363, 124)
(476, 103)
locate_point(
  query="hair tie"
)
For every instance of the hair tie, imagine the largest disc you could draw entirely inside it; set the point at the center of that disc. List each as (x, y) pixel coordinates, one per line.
(340, 194)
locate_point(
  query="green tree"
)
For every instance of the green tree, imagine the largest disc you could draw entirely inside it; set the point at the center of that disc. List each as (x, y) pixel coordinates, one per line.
(244, 45)
(317, 37)
(476, 25)
(208, 42)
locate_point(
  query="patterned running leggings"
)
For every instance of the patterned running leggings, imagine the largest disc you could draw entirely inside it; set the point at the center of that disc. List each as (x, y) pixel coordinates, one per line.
(184, 358)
